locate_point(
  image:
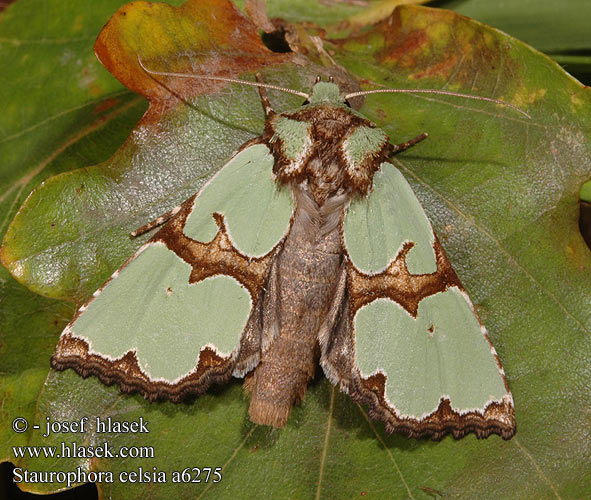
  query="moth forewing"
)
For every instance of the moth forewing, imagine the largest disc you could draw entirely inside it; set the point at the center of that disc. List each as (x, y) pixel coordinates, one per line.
(182, 303)
(307, 246)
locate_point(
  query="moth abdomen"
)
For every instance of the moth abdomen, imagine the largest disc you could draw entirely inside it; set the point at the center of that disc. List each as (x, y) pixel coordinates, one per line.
(308, 270)
(280, 380)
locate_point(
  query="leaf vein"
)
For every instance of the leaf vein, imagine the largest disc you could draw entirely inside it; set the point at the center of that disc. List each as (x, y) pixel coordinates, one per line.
(537, 467)
(45, 41)
(49, 119)
(238, 448)
(325, 445)
(380, 439)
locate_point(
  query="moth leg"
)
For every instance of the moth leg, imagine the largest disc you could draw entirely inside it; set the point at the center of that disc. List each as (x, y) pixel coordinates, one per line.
(337, 349)
(264, 99)
(397, 148)
(156, 222)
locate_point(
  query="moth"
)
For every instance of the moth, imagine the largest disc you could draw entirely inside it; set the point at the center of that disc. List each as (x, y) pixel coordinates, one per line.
(307, 247)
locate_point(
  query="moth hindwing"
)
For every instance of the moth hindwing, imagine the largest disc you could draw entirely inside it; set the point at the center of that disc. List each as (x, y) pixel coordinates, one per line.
(307, 246)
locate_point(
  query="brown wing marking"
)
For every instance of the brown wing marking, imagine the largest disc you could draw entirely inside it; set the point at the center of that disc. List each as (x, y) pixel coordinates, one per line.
(397, 284)
(497, 417)
(72, 352)
(218, 256)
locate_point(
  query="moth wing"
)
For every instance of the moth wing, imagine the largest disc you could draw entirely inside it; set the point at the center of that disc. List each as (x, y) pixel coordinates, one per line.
(175, 317)
(412, 346)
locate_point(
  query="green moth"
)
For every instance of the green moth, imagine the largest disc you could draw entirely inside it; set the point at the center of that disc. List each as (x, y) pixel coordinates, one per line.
(307, 247)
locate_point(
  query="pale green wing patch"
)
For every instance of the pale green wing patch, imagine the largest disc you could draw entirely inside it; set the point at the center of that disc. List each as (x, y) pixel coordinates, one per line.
(363, 144)
(377, 226)
(443, 353)
(293, 135)
(295, 142)
(150, 308)
(256, 211)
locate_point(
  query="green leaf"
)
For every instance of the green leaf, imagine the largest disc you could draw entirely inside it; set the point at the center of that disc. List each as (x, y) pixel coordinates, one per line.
(501, 190)
(566, 26)
(558, 30)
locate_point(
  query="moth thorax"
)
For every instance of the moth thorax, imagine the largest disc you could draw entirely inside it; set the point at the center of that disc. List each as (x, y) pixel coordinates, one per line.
(325, 178)
(326, 149)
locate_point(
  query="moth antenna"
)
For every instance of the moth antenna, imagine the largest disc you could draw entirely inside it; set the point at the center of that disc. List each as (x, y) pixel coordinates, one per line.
(442, 92)
(222, 79)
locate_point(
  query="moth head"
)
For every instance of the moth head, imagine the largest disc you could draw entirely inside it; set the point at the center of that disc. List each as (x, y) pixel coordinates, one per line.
(326, 93)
